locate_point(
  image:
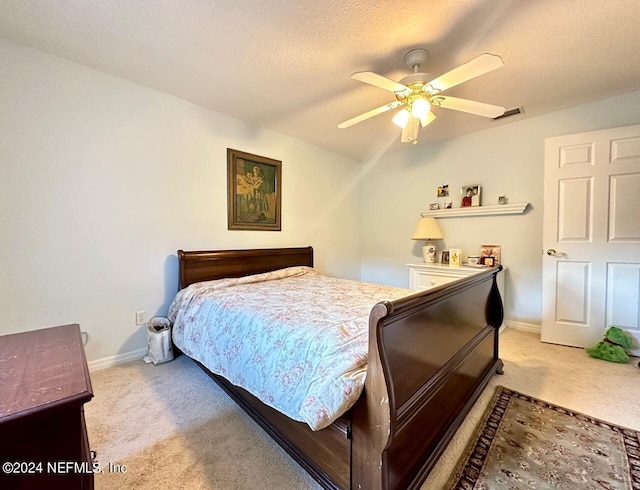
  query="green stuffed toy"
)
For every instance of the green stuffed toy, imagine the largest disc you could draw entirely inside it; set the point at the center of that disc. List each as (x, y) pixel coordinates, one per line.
(612, 347)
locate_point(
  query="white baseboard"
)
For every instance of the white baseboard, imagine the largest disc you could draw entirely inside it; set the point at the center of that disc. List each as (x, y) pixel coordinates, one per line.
(525, 327)
(111, 361)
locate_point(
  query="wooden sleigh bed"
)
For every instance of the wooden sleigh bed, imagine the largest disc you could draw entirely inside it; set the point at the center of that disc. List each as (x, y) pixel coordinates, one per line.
(430, 356)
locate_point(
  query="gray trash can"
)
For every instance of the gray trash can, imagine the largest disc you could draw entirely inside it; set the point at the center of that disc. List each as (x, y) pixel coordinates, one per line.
(159, 340)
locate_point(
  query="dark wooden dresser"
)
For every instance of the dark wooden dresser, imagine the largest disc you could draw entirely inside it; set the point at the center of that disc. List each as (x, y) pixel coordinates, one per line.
(44, 383)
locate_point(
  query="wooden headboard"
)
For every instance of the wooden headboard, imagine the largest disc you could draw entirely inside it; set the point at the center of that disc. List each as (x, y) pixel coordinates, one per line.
(208, 265)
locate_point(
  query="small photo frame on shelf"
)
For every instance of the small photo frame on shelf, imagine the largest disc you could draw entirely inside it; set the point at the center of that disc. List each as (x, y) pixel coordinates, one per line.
(470, 195)
(490, 251)
(448, 204)
(443, 190)
(444, 259)
(488, 261)
(434, 206)
(455, 257)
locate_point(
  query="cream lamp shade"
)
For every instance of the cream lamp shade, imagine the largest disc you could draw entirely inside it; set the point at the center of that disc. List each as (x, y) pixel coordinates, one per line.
(427, 229)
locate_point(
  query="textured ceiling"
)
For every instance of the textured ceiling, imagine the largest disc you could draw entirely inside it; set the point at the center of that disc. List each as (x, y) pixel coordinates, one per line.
(286, 64)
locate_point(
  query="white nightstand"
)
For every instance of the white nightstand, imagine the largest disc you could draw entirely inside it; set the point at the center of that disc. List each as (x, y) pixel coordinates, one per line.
(426, 276)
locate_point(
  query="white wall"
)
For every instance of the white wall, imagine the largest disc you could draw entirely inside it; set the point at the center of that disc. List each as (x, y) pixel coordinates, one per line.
(506, 160)
(102, 180)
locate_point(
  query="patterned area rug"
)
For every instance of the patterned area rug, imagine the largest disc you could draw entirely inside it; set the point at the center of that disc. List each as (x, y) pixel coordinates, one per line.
(526, 443)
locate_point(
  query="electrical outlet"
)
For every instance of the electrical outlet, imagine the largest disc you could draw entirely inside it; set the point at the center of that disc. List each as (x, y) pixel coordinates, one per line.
(141, 317)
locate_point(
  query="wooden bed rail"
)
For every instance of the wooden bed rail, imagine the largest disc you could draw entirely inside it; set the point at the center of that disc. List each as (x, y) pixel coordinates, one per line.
(429, 359)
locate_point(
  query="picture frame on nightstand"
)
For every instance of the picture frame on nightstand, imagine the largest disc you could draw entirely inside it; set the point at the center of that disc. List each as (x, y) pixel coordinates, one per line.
(488, 261)
(455, 257)
(490, 251)
(444, 258)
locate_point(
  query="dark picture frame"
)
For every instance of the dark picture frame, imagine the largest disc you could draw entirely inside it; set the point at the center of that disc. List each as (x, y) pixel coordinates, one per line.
(445, 257)
(254, 192)
(489, 261)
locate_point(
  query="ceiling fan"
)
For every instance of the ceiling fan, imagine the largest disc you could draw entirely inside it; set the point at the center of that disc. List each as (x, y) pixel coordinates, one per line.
(419, 92)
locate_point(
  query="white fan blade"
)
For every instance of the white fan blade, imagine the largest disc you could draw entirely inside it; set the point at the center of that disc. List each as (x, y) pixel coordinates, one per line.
(428, 119)
(470, 106)
(379, 81)
(474, 68)
(371, 113)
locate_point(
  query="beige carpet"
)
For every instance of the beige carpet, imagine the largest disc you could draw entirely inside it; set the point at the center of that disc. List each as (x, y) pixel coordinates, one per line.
(172, 427)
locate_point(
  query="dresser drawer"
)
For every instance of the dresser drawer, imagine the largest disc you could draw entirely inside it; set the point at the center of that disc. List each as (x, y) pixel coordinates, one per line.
(427, 276)
(423, 280)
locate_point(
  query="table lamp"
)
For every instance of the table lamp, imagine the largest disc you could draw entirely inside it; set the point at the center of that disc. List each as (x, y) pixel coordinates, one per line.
(427, 229)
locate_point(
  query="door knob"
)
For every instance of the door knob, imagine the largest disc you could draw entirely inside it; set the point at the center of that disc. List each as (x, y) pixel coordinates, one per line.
(552, 253)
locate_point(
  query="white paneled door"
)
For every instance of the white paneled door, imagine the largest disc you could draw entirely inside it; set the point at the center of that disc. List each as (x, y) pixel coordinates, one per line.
(591, 236)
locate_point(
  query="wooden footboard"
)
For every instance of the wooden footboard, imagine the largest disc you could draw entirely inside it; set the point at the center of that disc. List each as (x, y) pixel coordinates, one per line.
(430, 356)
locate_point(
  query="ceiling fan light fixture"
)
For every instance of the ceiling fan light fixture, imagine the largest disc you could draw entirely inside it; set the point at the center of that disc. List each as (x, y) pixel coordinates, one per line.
(418, 92)
(428, 118)
(420, 108)
(410, 131)
(401, 118)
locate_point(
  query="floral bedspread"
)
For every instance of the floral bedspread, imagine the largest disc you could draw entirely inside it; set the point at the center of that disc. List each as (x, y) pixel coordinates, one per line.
(295, 339)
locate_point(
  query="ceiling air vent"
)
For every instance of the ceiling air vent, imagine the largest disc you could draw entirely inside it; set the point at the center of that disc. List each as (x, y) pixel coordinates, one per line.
(510, 112)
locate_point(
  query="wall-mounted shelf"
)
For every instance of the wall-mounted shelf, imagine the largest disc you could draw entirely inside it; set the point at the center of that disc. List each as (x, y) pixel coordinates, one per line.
(516, 208)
